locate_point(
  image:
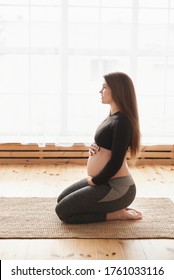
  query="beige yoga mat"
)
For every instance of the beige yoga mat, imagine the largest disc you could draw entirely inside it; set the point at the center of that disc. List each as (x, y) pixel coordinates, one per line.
(35, 218)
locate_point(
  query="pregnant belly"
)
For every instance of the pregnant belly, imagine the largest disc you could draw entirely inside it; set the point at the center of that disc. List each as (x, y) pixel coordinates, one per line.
(96, 162)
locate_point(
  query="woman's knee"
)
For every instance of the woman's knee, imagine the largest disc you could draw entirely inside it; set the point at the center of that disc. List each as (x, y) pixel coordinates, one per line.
(61, 212)
(72, 188)
(60, 197)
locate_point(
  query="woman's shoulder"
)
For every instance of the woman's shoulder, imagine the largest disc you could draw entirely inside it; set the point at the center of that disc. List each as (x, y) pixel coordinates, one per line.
(120, 118)
(121, 122)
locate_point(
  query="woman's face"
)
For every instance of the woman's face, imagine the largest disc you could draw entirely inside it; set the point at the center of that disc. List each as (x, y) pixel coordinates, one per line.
(106, 94)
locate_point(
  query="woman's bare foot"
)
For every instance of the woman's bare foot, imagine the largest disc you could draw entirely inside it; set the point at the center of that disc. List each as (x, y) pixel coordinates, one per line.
(124, 214)
(138, 212)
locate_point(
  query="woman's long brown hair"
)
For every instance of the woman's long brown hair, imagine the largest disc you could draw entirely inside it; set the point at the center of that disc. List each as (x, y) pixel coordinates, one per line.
(123, 93)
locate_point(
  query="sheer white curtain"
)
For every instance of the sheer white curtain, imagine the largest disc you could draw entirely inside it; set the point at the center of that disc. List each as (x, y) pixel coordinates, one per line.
(53, 54)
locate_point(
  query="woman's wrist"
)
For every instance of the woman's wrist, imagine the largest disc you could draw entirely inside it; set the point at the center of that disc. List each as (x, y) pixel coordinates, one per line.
(89, 181)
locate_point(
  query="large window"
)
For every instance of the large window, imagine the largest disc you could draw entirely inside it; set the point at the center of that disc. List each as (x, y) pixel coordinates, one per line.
(53, 54)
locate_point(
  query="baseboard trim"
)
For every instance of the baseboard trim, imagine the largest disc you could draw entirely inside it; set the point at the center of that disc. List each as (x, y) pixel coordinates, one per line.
(50, 154)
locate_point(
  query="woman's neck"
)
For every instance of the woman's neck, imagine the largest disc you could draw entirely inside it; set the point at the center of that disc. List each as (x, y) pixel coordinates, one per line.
(113, 110)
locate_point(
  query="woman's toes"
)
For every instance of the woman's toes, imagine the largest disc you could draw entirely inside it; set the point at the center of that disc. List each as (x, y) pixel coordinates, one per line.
(133, 214)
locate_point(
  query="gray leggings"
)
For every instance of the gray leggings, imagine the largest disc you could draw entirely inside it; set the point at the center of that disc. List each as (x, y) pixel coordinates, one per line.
(81, 203)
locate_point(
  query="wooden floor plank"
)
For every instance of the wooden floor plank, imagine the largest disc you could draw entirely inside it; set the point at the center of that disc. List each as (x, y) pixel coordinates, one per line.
(132, 250)
(157, 249)
(109, 249)
(51, 249)
(85, 249)
(14, 249)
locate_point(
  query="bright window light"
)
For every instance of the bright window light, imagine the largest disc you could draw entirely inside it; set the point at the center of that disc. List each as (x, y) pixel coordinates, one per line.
(54, 53)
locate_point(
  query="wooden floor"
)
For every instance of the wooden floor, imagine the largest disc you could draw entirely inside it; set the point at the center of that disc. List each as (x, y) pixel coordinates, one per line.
(49, 180)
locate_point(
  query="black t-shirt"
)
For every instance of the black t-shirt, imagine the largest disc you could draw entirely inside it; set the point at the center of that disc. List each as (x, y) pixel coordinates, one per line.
(114, 134)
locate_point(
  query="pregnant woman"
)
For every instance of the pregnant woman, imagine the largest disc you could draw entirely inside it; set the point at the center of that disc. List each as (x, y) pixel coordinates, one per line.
(109, 188)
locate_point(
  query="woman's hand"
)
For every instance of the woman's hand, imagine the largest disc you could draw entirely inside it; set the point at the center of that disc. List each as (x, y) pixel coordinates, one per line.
(93, 149)
(89, 181)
